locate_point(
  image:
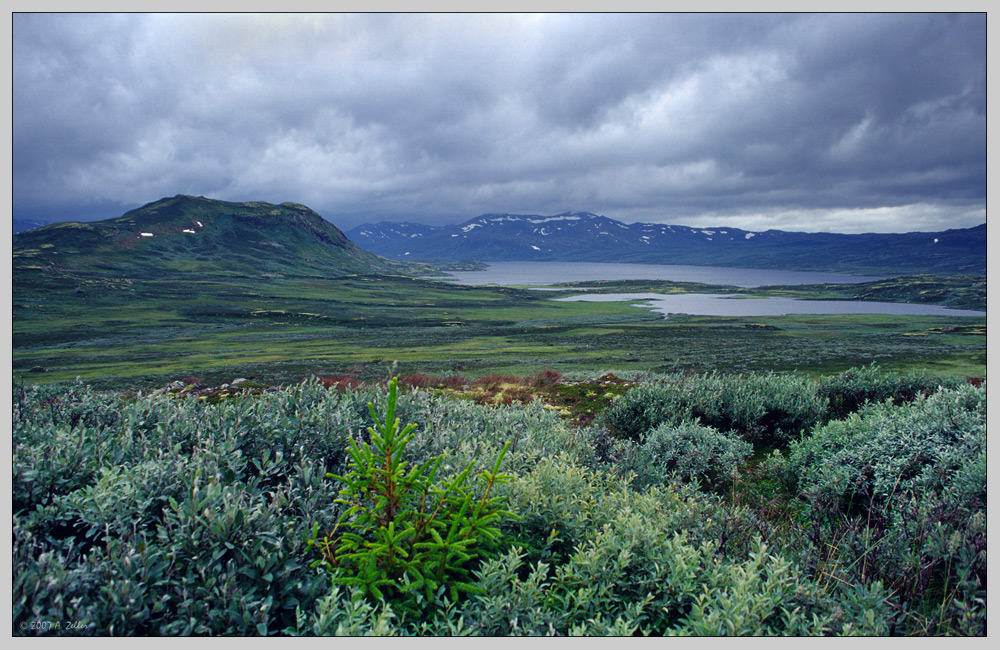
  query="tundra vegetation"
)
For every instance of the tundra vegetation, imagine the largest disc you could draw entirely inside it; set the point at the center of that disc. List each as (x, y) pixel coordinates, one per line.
(637, 503)
(538, 467)
(277, 293)
(148, 329)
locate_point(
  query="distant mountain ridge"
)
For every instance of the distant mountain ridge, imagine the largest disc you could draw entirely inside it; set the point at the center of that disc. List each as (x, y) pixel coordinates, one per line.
(20, 225)
(199, 235)
(587, 237)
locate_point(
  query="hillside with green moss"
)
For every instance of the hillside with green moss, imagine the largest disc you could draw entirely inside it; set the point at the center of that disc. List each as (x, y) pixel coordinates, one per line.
(198, 235)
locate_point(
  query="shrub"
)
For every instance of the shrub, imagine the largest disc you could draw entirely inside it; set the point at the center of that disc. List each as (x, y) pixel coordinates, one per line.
(179, 517)
(466, 432)
(641, 409)
(898, 493)
(561, 504)
(419, 380)
(454, 381)
(766, 409)
(494, 380)
(631, 563)
(689, 452)
(851, 389)
(167, 515)
(340, 382)
(885, 449)
(545, 379)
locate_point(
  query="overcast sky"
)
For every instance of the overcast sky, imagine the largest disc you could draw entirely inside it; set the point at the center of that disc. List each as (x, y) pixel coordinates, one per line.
(844, 123)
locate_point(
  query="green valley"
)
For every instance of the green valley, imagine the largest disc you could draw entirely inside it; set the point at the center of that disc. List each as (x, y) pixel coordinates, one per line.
(141, 330)
(222, 290)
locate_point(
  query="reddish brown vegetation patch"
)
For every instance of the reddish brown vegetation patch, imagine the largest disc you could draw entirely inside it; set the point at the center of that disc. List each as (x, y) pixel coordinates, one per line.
(419, 380)
(339, 382)
(496, 380)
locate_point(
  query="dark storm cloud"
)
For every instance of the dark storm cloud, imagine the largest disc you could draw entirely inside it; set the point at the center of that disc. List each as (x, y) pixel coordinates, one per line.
(812, 122)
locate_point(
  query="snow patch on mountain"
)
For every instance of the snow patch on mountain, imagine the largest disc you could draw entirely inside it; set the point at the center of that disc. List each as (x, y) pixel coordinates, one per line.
(559, 218)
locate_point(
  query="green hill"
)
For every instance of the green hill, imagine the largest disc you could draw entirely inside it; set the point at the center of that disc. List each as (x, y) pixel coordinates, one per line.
(194, 234)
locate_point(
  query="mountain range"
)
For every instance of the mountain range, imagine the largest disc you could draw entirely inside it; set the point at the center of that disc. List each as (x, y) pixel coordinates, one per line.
(587, 237)
(197, 234)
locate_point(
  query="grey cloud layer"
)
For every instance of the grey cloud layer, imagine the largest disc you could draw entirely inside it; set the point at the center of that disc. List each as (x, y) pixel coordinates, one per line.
(872, 122)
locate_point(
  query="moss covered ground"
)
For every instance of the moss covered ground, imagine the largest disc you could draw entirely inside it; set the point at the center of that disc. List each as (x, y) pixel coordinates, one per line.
(142, 331)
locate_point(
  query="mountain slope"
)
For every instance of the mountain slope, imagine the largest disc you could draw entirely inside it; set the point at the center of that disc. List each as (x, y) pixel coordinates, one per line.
(582, 236)
(194, 234)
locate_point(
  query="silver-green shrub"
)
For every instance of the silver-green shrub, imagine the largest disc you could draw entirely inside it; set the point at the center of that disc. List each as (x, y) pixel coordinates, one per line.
(898, 494)
(153, 514)
(688, 452)
(163, 515)
(850, 390)
(634, 573)
(933, 444)
(639, 565)
(769, 408)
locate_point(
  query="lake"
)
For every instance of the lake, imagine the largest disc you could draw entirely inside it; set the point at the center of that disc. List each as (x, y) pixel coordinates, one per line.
(548, 273)
(703, 304)
(543, 273)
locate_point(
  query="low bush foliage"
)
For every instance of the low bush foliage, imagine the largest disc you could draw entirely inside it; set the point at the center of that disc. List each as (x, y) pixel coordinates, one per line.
(902, 490)
(766, 409)
(933, 444)
(632, 576)
(689, 452)
(166, 514)
(851, 389)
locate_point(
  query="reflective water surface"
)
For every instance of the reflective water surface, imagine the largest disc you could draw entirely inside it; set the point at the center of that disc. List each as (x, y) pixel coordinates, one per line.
(542, 273)
(701, 304)
(548, 273)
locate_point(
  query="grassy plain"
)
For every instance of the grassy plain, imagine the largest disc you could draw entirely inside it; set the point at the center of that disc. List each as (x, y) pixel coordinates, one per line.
(147, 330)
